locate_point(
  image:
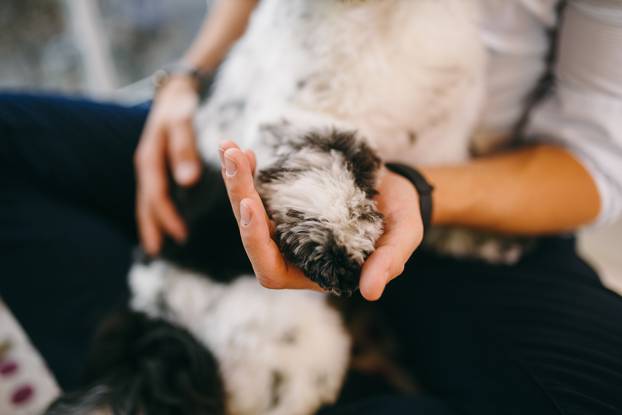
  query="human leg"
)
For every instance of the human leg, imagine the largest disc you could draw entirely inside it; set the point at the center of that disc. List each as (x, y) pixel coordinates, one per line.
(66, 218)
(542, 337)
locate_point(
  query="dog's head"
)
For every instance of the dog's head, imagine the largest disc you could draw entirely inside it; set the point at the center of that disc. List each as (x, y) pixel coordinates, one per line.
(139, 365)
(320, 195)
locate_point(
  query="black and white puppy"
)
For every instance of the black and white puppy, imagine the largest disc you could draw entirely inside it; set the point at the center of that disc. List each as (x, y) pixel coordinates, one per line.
(322, 91)
(195, 344)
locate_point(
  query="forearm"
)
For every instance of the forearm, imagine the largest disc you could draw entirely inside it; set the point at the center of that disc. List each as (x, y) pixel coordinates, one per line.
(224, 25)
(536, 190)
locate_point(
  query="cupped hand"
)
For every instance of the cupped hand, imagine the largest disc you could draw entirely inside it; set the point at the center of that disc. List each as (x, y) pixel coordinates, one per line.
(271, 269)
(168, 143)
(397, 201)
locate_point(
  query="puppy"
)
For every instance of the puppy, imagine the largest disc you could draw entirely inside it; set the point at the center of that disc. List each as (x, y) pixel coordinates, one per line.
(322, 91)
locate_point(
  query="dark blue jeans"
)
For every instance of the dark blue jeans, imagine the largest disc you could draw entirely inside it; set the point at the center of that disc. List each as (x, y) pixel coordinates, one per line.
(541, 337)
(66, 221)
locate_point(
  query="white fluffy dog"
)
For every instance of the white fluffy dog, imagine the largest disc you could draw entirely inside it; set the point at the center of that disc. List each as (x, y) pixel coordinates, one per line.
(322, 91)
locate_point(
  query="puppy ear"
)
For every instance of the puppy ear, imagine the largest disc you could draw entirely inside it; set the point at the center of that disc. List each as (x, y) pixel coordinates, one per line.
(143, 366)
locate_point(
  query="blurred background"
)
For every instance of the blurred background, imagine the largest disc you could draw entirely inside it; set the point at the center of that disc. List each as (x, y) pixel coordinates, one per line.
(92, 46)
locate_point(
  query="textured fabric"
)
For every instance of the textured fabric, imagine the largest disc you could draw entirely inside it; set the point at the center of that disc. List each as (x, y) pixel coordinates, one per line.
(66, 218)
(541, 337)
(26, 385)
(544, 337)
(583, 111)
(392, 405)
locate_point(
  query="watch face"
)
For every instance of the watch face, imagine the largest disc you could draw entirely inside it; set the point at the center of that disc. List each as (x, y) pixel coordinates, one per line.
(159, 78)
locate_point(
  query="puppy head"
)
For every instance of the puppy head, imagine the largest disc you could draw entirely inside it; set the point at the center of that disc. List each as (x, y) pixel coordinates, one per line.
(320, 196)
(142, 366)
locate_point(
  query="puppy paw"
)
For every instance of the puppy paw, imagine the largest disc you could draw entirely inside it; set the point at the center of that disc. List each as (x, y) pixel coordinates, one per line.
(320, 196)
(330, 255)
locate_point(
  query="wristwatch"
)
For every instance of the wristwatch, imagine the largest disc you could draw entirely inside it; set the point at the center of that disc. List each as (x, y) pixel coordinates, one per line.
(161, 77)
(423, 187)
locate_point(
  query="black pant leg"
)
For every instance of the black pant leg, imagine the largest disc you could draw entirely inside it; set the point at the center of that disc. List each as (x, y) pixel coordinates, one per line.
(63, 268)
(542, 337)
(73, 149)
(392, 405)
(66, 218)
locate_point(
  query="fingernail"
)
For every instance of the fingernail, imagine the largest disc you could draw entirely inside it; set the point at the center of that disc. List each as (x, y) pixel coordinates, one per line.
(185, 172)
(230, 167)
(221, 154)
(245, 213)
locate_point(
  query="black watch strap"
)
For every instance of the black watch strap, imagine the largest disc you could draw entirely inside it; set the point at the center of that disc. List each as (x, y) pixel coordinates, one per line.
(424, 188)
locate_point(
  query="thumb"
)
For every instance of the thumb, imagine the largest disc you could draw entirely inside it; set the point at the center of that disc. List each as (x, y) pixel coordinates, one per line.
(375, 274)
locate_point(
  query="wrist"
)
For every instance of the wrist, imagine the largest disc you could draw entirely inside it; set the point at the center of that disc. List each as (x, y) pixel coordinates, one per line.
(179, 84)
(451, 195)
(207, 62)
(181, 76)
(423, 189)
(177, 90)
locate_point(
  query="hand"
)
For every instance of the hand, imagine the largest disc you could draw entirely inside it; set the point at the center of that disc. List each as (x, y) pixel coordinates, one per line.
(270, 268)
(168, 141)
(397, 200)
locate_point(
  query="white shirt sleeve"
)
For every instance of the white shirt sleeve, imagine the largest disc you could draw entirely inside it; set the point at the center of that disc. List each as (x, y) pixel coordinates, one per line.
(584, 112)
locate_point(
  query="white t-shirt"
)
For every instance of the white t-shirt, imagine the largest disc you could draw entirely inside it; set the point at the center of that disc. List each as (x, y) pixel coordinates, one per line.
(584, 111)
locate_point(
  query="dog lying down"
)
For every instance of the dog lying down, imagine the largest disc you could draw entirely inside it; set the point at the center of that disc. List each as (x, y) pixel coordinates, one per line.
(322, 91)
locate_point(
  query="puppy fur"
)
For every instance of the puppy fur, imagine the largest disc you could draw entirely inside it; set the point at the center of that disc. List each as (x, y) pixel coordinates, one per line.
(321, 90)
(279, 354)
(320, 197)
(138, 365)
(315, 85)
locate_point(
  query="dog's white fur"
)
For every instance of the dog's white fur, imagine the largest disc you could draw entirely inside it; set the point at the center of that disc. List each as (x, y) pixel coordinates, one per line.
(408, 76)
(325, 192)
(258, 336)
(386, 68)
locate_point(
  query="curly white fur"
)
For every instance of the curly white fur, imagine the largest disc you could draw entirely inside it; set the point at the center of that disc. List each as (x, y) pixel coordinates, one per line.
(407, 77)
(280, 353)
(387, 68)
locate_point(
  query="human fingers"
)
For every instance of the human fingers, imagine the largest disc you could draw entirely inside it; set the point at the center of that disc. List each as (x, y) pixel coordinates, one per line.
(183, 155)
